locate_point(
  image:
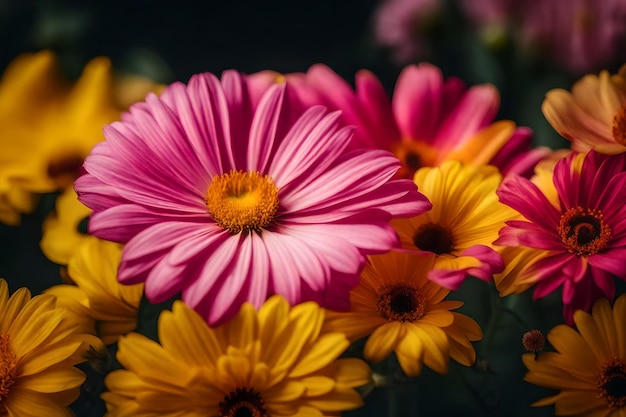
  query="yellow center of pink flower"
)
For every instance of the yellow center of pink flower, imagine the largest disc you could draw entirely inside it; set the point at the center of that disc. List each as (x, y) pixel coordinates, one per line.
(243, 402)
(611, 382)
(242, 201)
(584, 231)
(8, 370)
(619, 126)
(435, 238)
(400, 302)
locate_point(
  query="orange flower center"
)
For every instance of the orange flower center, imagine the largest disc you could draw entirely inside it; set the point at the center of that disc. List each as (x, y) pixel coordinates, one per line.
(584, 231)
(611, 382)
(435, 238)
(243, 402)
(413, 155)
(400, 302)
(242, 201)
(619, 126)
(8, 370)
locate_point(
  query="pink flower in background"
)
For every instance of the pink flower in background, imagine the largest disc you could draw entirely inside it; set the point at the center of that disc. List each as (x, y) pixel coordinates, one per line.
(428, 121)
(227, 201)
(400, 24)
(584, 236)
(580, 35)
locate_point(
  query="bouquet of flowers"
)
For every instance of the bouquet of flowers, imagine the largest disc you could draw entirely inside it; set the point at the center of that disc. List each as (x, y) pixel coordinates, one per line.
(292, 244)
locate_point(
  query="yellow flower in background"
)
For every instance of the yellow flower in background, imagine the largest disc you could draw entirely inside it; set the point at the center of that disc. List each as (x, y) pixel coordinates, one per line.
(39, 346)
(50, 126)
(61, 229)
(276, 362)
(593, 115)
(400, 310)
(589, 365)
(464, 221)
(97, 297)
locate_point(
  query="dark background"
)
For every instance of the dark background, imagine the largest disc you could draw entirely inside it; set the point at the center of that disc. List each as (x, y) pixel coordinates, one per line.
(184, 37)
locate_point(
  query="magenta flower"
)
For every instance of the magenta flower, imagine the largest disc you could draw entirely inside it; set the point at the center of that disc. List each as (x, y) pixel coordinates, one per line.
(584, 236)
(429, 120)
(227, 202)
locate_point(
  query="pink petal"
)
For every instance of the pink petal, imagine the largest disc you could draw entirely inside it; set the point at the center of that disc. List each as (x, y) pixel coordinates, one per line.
(417, 102)
(310, 147)
(525, 197)
(380, 130)
(263, 130)
(477, 109)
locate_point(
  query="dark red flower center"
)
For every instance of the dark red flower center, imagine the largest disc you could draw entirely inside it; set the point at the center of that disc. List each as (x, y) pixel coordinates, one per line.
(584, 231)
(64, 170)
(400, 302)
(435, 238)
(611, 382)
(243, 402)
(619, 126)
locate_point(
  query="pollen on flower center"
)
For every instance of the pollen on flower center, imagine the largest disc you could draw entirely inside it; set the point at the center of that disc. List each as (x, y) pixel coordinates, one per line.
(243, 402)
(435, 238)
(8, 369)
(611, 382)
(619, 126)
(399, 302)
(584, 231)
(242, 201)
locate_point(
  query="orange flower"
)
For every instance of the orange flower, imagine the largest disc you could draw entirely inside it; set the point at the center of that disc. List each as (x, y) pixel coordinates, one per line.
(593, 115)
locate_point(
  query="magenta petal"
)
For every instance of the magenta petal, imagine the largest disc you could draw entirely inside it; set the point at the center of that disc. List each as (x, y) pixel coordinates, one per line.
(310, 268)
(214, 270)
(491, 262)
(417, 102)
(259, 284)
(95, 194)
(151, 243)
(380, 130)
(448, 278)
(263, 130)
(525, 197)
(232, 284)
(310, 147)
(164, 281)
(475, 110)
(123, 222)
(339, 254)
(613, 261)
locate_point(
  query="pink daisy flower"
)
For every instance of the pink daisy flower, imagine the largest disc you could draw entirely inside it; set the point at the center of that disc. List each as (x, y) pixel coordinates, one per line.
(583, 235)
(228, 202)
(428, 121)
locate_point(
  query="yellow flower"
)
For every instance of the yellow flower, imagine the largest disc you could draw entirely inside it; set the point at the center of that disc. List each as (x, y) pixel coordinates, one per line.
(276, 362)
(402, 311)
(593, 115)
(49, 127)
(589, 365)
(97, 296)
(61, 229)
(39, 345)
(462, 224)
